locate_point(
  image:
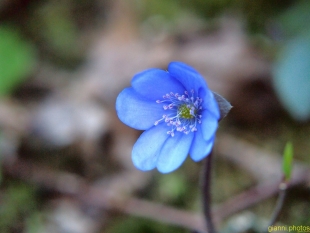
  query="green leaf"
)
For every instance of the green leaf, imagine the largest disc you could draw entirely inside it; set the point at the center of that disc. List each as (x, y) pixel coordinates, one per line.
(17, 59)
(292, 77)
(287, 161)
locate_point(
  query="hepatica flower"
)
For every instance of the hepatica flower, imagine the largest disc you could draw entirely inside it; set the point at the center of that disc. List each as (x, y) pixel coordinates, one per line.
(178, 112)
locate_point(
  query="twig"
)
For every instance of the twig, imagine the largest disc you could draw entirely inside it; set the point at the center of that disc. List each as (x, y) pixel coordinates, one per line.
(100, 196)
(254, 195)
(161, 213)
(249, 157)
(69, 184)
(245, 200)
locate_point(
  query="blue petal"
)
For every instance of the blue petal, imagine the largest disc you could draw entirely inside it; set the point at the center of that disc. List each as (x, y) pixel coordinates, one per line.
(137, 111)
(174, 152)
(209, 125)
(189, 77)
(209, 103)
(146, 150)
(200, 148)
(154, 83)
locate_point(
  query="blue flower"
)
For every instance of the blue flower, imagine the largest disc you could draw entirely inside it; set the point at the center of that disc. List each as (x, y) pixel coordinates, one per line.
(178, 112)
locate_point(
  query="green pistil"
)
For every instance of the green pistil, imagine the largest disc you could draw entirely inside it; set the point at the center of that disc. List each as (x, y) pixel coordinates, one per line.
(184, 112)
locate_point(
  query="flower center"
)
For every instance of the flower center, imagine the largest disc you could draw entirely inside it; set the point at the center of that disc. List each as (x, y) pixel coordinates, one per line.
(186, 111)
(183, 112)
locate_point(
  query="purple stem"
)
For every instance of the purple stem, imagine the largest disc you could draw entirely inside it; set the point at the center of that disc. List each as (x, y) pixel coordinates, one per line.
(206, 193)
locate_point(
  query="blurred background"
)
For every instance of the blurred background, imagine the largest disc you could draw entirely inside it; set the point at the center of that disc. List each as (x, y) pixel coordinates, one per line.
(65, 158)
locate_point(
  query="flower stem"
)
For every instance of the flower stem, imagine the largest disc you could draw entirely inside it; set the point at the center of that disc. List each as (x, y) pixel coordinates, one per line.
(206, 193)
(279, 204)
